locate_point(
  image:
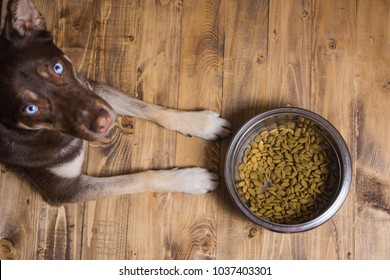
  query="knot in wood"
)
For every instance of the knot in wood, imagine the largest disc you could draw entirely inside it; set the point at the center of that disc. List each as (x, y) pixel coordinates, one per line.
(7, 249)
(140, 71)
(126, 124)
(332, 45)
(260, 59)
(252, 232)
(206, 246)
(386, 86)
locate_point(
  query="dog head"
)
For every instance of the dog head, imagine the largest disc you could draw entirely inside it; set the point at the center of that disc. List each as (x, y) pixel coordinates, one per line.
(39, 86)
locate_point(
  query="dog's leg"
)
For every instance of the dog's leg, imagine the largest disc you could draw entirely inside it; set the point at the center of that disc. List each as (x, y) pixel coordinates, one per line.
(204, 124)
(188, 180)
(65, 183)
(59, 189)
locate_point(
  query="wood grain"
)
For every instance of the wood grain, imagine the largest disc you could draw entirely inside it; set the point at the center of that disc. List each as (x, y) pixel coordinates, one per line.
(237, 58)
(244, 95)
(157, 58)
(372, 100)
(334, 53)
(200, 87)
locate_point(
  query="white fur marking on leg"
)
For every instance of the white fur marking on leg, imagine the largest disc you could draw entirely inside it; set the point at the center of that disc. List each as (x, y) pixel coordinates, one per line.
(193, 180)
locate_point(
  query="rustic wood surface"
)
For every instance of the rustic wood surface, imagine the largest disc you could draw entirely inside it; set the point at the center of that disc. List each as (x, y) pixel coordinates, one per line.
(238, 58)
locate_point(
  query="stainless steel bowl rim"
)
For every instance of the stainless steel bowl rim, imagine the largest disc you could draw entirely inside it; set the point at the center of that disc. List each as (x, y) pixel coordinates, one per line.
(345, 163)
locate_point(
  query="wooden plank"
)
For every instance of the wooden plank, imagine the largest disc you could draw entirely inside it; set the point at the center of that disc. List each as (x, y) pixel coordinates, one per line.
(157, 63)
(111, 60)
(18, 217)
(244, 96)
(372, 83)
(333, 73)
(193, 236)
(290, 34)
(289, 54)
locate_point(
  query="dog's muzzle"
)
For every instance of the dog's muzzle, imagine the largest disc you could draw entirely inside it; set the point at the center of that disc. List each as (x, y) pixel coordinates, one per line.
(102, 123)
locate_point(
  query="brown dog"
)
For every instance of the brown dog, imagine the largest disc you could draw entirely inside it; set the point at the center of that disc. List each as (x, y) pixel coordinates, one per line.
(48, 110)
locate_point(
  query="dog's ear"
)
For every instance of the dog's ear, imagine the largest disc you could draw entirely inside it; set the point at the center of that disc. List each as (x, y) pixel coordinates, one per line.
(23, 20)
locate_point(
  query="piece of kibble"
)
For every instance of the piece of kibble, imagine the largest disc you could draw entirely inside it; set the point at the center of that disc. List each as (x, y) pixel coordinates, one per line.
(286, 174)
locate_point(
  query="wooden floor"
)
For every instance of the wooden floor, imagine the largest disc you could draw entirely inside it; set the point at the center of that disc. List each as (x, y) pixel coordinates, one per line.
(238, 58)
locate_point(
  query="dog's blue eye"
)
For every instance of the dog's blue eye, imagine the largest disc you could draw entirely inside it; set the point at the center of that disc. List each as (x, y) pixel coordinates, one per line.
(32, 109)
(58, 68)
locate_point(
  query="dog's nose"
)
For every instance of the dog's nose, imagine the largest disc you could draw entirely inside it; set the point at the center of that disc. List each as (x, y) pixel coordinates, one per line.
(102, 123)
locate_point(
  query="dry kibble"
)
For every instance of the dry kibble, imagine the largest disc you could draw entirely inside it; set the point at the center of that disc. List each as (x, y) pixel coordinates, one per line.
(286, 175)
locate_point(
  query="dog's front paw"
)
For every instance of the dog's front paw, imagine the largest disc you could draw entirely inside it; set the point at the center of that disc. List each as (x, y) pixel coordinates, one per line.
(209, 125)
(194, 180)
(204, 124)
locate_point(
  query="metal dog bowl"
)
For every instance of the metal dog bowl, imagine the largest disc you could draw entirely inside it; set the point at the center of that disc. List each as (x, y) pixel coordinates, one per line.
(290, 118)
